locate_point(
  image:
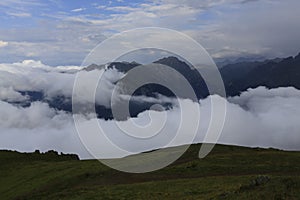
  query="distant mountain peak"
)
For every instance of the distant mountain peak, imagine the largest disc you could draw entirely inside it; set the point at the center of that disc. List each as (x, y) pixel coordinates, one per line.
(174, 62)
(297, 57)
(169, 59)
(120, 66)
(94, 66)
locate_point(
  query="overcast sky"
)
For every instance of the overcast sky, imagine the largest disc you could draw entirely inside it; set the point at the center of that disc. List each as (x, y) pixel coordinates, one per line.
(63, 32)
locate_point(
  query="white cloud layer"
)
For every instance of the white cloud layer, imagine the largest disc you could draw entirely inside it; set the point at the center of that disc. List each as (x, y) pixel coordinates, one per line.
(258, 118)
(32, 75)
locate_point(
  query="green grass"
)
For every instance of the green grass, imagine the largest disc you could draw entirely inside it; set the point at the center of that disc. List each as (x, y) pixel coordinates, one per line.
(228, 172)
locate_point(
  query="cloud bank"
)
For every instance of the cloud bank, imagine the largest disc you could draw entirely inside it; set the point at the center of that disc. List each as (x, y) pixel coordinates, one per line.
(57, 81)
(258, 117)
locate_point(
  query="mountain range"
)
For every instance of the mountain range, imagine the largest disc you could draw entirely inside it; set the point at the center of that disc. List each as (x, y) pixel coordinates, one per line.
(237, 77)
(270, 73)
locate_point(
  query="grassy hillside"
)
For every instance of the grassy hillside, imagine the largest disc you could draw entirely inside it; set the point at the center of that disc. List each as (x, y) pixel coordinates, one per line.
(227, 173)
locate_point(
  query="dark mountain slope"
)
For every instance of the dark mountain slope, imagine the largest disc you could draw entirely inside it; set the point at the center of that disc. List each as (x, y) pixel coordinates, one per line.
(271, 74)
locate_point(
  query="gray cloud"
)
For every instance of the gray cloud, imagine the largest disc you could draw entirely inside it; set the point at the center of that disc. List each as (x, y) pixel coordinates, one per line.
(36, 116)
(55, 43)
(270, 32)
(225, 28)
(10, 95)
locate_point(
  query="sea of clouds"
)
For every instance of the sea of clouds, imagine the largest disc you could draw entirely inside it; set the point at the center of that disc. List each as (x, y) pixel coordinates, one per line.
(259, 117)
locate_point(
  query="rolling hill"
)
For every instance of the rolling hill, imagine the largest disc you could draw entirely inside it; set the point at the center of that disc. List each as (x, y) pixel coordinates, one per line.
(229, 172)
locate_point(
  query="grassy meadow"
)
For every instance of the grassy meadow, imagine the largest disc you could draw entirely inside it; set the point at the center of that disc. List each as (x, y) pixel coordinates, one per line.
(228, 172)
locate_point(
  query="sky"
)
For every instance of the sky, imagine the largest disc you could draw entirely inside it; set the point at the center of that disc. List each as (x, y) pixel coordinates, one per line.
(44, 43)
(63, 32)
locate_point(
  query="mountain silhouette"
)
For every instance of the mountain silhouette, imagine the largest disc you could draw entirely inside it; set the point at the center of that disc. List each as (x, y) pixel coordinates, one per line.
(237, 77)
